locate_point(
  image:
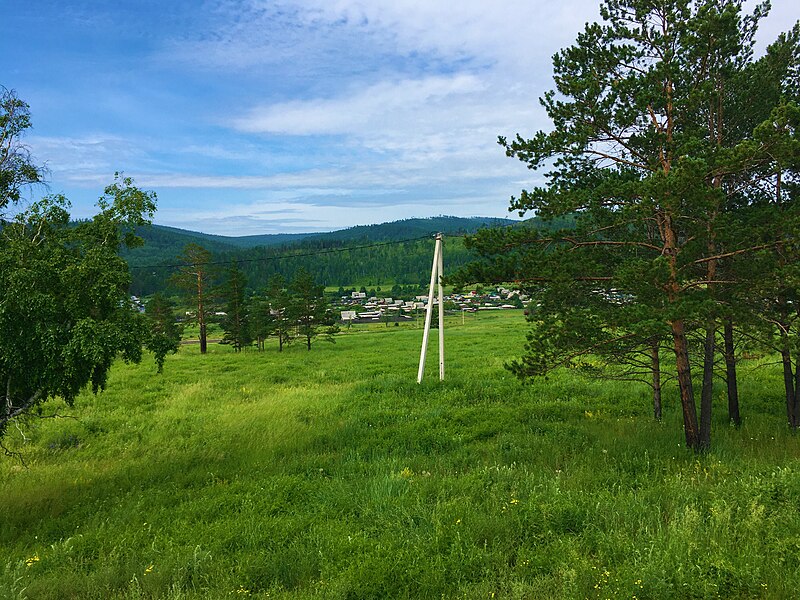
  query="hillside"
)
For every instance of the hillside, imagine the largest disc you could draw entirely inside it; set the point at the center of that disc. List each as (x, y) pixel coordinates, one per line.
(406, 263)
(172, 239)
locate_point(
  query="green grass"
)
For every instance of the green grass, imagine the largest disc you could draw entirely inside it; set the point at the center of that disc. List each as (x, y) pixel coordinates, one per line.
(332, 474)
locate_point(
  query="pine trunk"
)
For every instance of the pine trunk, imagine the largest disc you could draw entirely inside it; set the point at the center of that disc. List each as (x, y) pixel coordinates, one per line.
(656, 367)
(788, 385)
(707, 392)
(201, 314)
(681, 348)
(203, 338)
(796, 399)
(730, 375)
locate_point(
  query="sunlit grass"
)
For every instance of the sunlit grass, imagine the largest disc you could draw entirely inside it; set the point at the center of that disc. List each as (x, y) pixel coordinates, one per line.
(332, 474)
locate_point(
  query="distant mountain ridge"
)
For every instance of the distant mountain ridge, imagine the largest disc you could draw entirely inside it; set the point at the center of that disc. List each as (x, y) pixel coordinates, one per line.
(389, 231)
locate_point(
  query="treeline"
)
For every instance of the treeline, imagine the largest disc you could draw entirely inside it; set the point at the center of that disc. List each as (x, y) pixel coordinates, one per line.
(331, 263)
(285, 310)
(679, 153)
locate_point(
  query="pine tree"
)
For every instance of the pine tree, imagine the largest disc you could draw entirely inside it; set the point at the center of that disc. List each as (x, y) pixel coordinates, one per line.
(309, 309)
(194, 279)
(165, 333)
(235, 324)
(644, 157)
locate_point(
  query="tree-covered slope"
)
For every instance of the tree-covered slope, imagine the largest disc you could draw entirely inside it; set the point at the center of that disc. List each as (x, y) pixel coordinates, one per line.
(327, 255)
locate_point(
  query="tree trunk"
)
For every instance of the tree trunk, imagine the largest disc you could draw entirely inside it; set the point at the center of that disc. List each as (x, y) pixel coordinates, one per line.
(796, 398)
(656, 367)
(201, 314)
(685, 384)
(203, 338)
(730, 374)
(680, 345)
(788, 383)
(707, 392)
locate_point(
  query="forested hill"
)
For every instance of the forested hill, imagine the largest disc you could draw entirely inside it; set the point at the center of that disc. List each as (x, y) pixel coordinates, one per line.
(258, 255)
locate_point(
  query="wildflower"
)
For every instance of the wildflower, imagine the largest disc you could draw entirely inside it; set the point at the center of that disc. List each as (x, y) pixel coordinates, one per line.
(32, 560)
(148, 570)
(243, 590)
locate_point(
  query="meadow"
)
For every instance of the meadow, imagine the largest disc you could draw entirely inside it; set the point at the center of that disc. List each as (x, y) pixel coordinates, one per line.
(332, 474)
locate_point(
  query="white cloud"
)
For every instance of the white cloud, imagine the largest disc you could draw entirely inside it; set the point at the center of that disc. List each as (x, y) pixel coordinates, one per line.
(508, 31)
(518, 34)
(362, 111)
(84, 154)
(435, 128)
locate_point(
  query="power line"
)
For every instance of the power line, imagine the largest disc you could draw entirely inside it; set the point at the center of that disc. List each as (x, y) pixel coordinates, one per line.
(282, 256)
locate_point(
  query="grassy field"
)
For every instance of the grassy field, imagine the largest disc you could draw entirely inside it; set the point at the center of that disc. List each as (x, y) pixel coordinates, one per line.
(332, 474)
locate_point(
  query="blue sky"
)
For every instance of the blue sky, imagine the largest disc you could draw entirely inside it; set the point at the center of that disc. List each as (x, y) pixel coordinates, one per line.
(268, 116)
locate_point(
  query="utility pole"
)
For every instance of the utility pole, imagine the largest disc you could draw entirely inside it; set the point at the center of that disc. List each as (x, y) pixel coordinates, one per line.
(436, 276)
(201, 314)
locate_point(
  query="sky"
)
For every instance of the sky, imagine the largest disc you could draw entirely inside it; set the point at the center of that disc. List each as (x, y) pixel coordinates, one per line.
(285, 116)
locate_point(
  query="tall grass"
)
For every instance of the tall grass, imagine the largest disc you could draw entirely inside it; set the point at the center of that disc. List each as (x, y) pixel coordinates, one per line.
(332, 474)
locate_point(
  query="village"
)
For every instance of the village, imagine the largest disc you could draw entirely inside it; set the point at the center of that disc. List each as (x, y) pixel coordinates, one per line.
(358, 308)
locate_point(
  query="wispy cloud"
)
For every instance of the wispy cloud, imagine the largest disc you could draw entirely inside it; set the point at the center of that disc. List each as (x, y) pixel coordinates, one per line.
(373, 108)
(86, 153)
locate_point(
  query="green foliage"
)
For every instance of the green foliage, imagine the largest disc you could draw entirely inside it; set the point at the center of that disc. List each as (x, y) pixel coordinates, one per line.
(309, 309)
(194, 279)
(658, 152)
(236, 322)
(165, 333)
(65, 314)
(280, 310)
(17, 169)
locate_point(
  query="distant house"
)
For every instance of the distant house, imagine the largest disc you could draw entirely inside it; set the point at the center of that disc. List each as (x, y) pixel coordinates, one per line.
(358, 295)
(349, 315)
(370, 314)
(137, 304)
